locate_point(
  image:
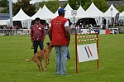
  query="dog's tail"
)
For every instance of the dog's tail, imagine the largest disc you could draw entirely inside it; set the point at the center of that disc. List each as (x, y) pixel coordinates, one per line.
(28, 60)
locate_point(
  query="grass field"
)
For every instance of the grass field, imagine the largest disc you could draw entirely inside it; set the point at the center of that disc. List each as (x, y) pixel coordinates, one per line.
(14, 50)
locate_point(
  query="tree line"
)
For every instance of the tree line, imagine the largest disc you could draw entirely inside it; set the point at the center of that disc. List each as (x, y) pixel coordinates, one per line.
(31, 9)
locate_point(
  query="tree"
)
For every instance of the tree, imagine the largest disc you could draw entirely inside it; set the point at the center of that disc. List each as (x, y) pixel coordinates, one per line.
(76, 3)
(86, 5)
(5, 10)
(72, 4)
(28, 8)
(101, 4)
(3, 3)
(50, 6)
(113, 0)
(120, 8)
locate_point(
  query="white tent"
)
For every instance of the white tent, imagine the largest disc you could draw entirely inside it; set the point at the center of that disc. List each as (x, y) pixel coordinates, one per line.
(43, 13)
(111, 12)
(93, 11)
(121, 15)
(21, 16)
(4, 22)
(68, 11)
(37, 14)
(80, 12)
(56, 13)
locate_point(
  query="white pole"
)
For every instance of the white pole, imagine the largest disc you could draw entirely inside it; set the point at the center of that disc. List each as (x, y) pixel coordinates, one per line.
(10, 13)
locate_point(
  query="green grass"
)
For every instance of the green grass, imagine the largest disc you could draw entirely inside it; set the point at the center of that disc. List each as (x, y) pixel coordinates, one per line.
(14, 50)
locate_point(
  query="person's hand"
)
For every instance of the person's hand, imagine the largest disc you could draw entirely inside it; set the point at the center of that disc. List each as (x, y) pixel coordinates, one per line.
(32, 41)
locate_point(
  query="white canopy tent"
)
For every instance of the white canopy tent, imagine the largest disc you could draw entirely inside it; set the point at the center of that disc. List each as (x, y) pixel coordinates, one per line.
(21, 16)
(121, 15)
(43, 13)
(37, 14)
(93, 12)
(68, 11)
(111, 12)
(4, 22)
(80, 12)
(56, 13)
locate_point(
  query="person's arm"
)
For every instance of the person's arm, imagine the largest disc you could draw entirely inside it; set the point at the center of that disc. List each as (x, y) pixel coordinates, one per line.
(31, 34)
(43, 33)
(67, 31)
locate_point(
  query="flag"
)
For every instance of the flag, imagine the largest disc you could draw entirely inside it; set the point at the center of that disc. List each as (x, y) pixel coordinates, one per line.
(117, 17)
(87, 52)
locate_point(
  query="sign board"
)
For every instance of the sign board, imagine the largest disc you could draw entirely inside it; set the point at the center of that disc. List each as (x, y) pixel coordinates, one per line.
(87, 52)
(74, 12)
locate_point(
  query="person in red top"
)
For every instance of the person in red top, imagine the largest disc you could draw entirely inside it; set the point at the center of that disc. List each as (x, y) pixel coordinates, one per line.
(37, 35)
(60, 38)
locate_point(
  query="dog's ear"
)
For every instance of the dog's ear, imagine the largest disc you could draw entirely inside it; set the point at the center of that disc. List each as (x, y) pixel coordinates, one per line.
(48, 43)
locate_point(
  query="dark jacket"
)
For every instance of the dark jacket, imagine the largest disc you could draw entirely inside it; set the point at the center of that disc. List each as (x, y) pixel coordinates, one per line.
(37, 33)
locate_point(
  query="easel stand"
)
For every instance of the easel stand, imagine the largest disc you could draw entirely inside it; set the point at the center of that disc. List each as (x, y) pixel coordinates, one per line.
(84, 38)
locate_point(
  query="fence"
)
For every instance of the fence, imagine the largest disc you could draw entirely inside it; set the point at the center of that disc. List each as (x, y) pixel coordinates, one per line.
(14, 31)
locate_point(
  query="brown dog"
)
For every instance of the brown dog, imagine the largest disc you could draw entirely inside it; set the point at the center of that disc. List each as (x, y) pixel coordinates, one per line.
(43, 54)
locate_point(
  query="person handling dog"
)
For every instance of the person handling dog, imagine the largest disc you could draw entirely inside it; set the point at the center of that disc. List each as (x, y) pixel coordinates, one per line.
(37, 35)
(60, 38)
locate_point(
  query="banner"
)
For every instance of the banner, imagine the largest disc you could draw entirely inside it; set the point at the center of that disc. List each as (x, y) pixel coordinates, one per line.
(87, 52)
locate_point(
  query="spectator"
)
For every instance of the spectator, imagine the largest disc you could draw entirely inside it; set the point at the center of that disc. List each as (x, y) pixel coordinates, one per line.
(104, 23)
(37, 35)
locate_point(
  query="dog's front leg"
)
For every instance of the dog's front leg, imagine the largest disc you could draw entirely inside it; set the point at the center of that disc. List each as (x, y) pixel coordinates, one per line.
(39, 65)
(48, 61)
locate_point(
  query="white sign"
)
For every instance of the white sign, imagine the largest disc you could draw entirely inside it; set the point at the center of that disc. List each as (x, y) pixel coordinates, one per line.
(74, 12)
(87, 52)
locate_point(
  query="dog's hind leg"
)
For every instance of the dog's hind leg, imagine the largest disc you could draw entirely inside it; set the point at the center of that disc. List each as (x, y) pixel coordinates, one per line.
(38, 62)
(39, 65)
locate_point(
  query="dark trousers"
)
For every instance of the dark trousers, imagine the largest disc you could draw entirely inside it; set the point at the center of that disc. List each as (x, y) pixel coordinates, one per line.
(36, 43)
